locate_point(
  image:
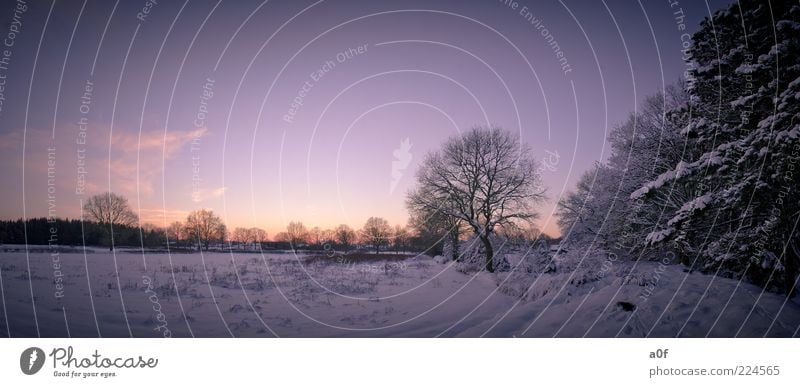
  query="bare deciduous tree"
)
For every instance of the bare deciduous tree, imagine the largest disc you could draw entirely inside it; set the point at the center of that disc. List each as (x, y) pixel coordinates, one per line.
(248, 236)
(400, 238)
(281, 237)
(175, 232)
(435, 229)
(328, 236)
(110, 209)
(257, 235)
(315, 237)
(297, 234)
(485, 177)
(377, 232)
(241, 236)
(345, 235)
(204, 227)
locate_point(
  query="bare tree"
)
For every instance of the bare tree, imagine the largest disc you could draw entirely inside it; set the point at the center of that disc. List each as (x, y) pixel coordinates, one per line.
(344, 235)
(110, 209)
(400, 238)
(257, 235)
(245, 237)
(377, 232)
(281, 237)
(297, 234)
(241, 236)
(204, 227)
(532, 233)
(315, 237)
(435, 229)
(175, 232)
(485, 177)
(328, 236)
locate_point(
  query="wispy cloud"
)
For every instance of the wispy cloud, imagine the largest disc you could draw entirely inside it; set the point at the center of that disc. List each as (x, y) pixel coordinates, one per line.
(137, 161)
(201, 195)
(155, 141)
(161, 217)
(129, 164)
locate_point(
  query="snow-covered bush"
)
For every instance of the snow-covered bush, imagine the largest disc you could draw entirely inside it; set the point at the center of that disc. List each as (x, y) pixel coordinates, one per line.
(441, 259)
(472, 257)
(448, 250)
(537, 275)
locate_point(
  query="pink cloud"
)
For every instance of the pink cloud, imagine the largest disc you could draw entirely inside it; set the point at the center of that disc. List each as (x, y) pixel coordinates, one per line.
(135, 168)
(155, 140)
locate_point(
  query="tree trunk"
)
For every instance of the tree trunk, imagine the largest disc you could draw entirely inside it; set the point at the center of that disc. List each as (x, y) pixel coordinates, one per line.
(487, 245)
(454, 243)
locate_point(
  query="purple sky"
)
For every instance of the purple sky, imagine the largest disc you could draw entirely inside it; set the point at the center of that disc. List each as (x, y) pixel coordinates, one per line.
(191, 104)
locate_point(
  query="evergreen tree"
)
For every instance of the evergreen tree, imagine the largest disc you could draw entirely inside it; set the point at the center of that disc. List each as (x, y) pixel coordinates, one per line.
(743, 122)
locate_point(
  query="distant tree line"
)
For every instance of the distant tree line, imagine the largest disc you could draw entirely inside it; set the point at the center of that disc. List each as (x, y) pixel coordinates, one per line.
(376, 235)
(108, 221)
(73, 232)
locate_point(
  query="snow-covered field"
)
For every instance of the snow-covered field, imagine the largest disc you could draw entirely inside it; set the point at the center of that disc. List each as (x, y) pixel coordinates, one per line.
(252, 294)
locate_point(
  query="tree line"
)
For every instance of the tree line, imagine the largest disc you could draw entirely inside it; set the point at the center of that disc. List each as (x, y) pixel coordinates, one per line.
(109, 221)
(376, 233)
(74, 232)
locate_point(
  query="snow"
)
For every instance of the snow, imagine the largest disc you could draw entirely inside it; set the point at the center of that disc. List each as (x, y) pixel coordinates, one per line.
(662, 179)
(660, 235)
(787, 24)
(694, 126)
(687, 209)
(743, 100)
(254, 295)
(699, 307)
